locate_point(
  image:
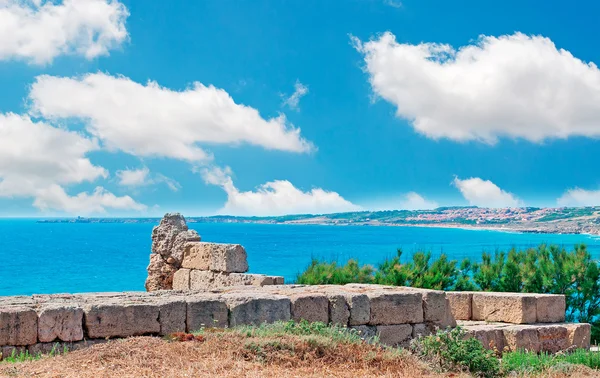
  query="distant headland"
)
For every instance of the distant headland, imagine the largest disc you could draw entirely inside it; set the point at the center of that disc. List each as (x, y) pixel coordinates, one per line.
(572, 220)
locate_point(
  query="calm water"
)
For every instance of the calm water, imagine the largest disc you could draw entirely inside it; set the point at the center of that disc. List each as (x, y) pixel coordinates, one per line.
(59, 258)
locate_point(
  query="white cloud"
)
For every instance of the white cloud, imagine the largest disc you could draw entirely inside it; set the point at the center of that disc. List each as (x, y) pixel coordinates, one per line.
(414, 201)
(278, 197)
(485, 193)
(38, 30)
(294, 100)
(579, 197)
(55, 198)
(133, 177)
(393, 3)
(38, 160)
(142, 177)
(149, 120)
(515, 86)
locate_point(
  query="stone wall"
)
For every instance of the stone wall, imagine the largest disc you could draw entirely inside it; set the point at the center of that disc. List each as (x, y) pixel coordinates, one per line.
(180, 261)
(396, 314)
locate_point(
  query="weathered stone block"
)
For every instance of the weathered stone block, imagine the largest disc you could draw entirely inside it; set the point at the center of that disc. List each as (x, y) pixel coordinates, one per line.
(360, 309)
(553, 338)
(121, 320)
(504, 307)
(448, 320)
(339, 312)
(181, 279)
(550, 308)
(206, 312)
(18, 326)
(62, 322)
(11, 351)
(172, 315)
(579, 335)
(257, 309)
(312, 307)
(422, 330)
(395, 335)
(228, 258)
(460, 304)
(395, 308)
(47, 348)
(491, 337)
(204, 280)
(434, 303)
(521, 337)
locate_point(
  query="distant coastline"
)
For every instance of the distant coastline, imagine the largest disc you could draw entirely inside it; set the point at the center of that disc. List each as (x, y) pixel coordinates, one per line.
(522, 220)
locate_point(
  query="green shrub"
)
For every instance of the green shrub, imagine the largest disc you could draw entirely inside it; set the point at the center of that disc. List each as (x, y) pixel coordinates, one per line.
(529, 363)
(452, 351)
(544, 269)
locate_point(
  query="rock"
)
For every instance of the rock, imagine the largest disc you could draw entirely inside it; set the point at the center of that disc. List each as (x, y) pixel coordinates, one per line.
(160, 274)
(579, 335)
(60, 322)
(227, 258)
(168, 241)
(47, 348)
(553, 338)
(181, 279)
(11, 351)
(422, 330)
(312, 307)
(365, 332)
(490, 336)
(257, 308)
(460, 304)
(172, 313)
(395, 308)
(521, 337)
(360, 308)
(434, 303)
(121, 320)
(448, 320)
(18, 326)
(395, 335)
(339, 312)
(207, 280)
(206, 312)
(550, 308)
(504, 307)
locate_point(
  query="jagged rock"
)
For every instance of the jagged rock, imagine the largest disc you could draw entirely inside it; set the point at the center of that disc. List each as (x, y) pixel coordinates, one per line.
(168, 241)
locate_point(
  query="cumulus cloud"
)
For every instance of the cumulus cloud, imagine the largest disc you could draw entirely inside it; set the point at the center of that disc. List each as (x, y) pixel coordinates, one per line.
(414, 201)
(485, 193)
(150, 120)
(142, 177)
(38, 31)
(514, 86)
(294, 100)
(579, 197)
(278, 197)
(38, 160)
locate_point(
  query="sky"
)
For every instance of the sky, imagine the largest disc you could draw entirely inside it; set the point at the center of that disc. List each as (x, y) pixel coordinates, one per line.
(270, 107)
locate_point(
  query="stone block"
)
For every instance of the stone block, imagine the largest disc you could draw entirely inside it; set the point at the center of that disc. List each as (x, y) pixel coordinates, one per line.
(504, 307)
(55, 348)
(553, 338)
(460, 304)
(422, 330)
(18, 326)
(206, 312)
(360, 308)
(339, 312)
(448, 320)
(395, 335)
(181, 279)
(172, 315)
(11, 351)
(121, 319)
(434, 303)
(204, 280)
(521, 337)
(257, 308)
(491, 337)
(60, 322)
(279, 280)
(228, 258)
(312, 307)
(395, 307)
(550, 308)
(579, 335)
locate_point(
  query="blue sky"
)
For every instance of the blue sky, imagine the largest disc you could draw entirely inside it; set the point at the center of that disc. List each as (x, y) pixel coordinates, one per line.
(408, 104)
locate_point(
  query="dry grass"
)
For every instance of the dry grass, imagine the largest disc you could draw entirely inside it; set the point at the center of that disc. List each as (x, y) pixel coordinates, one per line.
(226, 354)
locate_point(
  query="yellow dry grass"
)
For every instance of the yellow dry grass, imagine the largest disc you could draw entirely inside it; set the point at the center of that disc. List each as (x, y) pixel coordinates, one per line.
(225, 355)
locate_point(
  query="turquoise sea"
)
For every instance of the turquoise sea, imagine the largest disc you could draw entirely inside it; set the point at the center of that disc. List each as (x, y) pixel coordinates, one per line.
(79, 257)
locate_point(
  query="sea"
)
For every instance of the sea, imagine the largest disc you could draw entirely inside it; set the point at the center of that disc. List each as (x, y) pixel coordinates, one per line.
(43, 258)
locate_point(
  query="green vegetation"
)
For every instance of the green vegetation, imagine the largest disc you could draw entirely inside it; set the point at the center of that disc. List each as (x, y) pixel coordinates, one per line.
(544, 269)
(529, 363)
(24, 356)
(451, 351)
